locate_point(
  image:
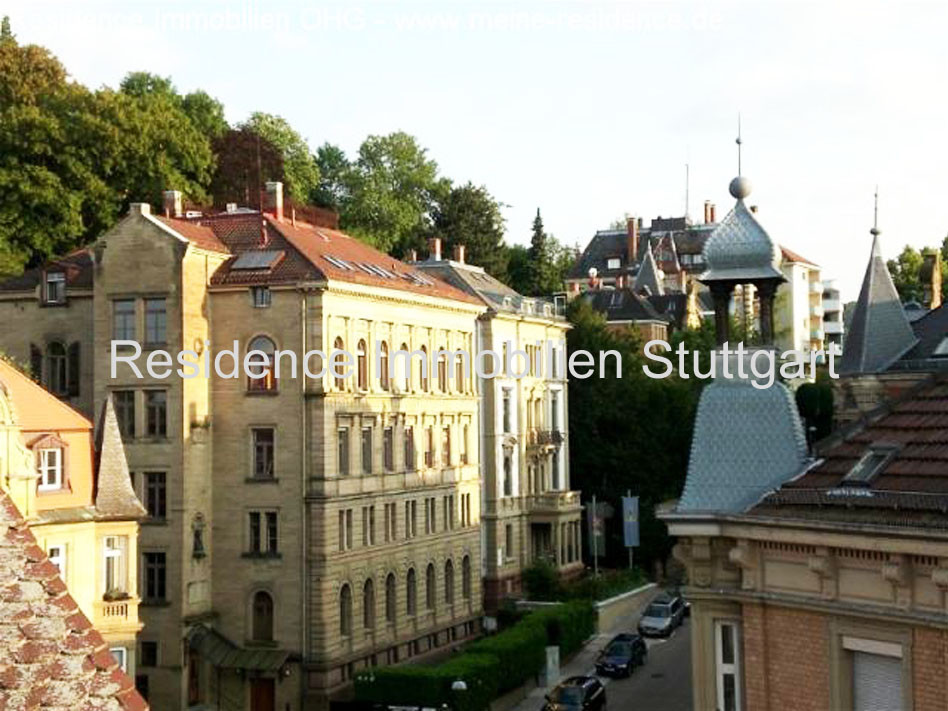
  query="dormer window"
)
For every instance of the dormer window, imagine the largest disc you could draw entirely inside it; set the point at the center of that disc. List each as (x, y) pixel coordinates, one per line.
(870, 464)
(261, 297)
(50, 469)
(613, 263)
(55, 288)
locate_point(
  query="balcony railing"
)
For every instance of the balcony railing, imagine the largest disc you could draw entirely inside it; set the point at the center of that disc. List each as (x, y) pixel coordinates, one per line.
(111, 613)
(817, 334)
(831, 305)
(816, 310)
(544, 438)
(833, 327)
(554, 501)
(816, 287)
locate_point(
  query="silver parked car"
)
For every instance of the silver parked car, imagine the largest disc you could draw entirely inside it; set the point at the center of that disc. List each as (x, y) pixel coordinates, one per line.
(662, 616)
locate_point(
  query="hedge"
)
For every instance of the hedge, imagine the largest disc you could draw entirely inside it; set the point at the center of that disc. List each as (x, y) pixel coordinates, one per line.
(490, 666)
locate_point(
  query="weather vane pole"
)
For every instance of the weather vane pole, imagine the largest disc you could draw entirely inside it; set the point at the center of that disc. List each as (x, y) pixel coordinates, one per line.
(738, 141)
(875, 214)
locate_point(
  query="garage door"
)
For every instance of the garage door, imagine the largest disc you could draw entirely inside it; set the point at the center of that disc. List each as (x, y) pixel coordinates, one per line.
(877, 682)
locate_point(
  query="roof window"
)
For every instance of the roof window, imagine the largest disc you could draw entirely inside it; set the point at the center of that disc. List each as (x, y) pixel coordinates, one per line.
(871, 464)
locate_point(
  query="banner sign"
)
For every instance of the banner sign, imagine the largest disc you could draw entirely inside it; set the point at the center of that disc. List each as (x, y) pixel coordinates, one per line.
(597, 529)
(630, 520)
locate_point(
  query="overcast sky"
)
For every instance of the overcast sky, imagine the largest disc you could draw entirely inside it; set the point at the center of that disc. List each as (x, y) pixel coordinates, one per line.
(586, 110)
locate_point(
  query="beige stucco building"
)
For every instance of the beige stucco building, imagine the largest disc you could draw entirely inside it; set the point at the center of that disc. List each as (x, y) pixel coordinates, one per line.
(528, 509)
(299, 529)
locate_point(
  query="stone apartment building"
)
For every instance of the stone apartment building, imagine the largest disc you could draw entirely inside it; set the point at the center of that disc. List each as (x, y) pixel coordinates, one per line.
(818, 579)
(298, 529)
(528, 510)
(76, 499)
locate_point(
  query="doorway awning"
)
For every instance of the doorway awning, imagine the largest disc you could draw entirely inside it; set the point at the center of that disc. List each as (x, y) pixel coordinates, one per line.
(220, 652)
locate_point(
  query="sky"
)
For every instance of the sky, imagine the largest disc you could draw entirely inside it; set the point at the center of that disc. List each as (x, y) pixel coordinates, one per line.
(586, 110)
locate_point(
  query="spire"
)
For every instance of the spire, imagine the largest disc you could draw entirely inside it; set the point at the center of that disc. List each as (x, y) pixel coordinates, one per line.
(880, 332)
(114, 496)
(648, 278)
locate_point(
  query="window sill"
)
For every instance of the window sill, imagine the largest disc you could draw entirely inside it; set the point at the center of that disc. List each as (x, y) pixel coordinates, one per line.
(251, 555)
(261, 480)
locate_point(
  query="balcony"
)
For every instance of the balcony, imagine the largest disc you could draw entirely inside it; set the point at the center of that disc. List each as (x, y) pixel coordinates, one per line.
(816, 287)
(831, 305)
(817, 334)
(554, 502)
(544, 439)
(816, 310)
(116, 614)
(833, 327)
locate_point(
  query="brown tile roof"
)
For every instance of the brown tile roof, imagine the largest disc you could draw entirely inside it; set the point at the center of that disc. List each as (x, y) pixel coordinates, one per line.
(77, 266)
(791, 256)
(914, 479)
(195, 232)
(50, 655)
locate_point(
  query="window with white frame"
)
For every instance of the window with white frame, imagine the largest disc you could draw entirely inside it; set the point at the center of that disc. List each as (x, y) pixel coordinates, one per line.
(116, 580)
(57, 556)
(51, 469)
(121, 656)
(55, 287)
(727, 665)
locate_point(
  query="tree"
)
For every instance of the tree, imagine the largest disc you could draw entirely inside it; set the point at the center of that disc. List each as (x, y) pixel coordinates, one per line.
(6, 32)
(392, 189)
(205, 112)
(334, 177)
(468, 215)
(905, 271)
(541, 272)
(300, 171)
(244, 161)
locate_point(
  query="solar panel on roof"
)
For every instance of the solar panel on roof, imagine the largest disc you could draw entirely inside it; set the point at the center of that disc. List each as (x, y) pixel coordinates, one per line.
(336, 261)
(261, 259)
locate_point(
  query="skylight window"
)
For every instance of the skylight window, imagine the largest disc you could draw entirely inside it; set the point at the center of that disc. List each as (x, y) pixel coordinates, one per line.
(942, 349)
(340, 263)
(870, 464)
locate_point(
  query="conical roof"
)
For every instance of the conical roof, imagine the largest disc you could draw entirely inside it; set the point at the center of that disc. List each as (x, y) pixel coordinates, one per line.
(880, 332)
(740, 249)
(115, 497)
(648, 278)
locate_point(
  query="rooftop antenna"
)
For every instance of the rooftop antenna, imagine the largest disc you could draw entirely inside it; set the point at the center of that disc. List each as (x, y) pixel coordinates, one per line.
(738, 142)
(687, 186)
(875, 215)
(264, 238)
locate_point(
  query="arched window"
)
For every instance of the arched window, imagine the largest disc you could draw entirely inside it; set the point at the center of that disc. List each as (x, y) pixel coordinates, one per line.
(466, 577)
(390, 600)
(263, 368)
(411, 592)
(362, 367)
(405, 378)
(423, 370)
(459, 373)
(442, 371)
(368, 604)
(449, 582)
(57, 379)
(383, 366)
(430, 593)
(262, 617)
(345, 610)
(340, 380)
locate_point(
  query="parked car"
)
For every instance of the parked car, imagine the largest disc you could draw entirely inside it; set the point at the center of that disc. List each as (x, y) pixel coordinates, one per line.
(662, 616)
(622, 655)
(577, 693)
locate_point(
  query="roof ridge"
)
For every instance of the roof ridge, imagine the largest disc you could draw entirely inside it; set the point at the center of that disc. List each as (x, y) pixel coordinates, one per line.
(43, 393)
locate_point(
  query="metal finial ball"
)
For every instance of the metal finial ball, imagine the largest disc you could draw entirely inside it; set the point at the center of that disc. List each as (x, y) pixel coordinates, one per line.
(738, 141)
(740, 187)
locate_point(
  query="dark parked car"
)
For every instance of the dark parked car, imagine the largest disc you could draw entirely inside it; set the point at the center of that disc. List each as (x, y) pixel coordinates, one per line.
(578, 693)
(622, 655)
(662, 616)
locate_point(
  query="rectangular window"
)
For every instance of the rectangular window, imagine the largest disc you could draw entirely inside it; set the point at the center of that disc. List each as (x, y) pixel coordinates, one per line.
(124, 402)
(50, 469)
(155, 576)
(554, 411)
(446, 447)
(156, 413)
(366, 450)
(411, 519)
(388, 523)
(155, 494)
(448, 512)
(115, 550)
(262, 536)
(506, 410)
(509, 541)
(156, 322)
(149, 656)
(120, 654)
(123, 320)
(55, 288)
(409, 446)
(429, 446)
(271, 532)
(345, 529)
(263, 440)
(343, 450)
(261, 297)
(465, 459)
(57, 556)
(388, 448)
(727, 665)
(431, 523)
(368, 525)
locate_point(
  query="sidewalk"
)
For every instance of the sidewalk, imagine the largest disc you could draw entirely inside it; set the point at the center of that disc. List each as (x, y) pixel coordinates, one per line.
(583, 662)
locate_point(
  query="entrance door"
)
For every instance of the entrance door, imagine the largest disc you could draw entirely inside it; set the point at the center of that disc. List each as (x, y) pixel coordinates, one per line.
(262, 695)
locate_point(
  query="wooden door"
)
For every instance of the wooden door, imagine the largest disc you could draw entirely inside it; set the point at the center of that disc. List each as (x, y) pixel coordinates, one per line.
(262, 695)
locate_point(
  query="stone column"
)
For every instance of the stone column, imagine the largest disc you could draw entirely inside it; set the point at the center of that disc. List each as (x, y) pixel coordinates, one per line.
(721, 293)
(766, 292)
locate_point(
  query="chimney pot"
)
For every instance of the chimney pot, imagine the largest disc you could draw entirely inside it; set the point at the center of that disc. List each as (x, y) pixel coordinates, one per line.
(274, 200)
(707, 212)
(434, 249)
(714, 209)
(632, 226)
(172, 203)
(140, 208)
(459, 253)
(412, 256)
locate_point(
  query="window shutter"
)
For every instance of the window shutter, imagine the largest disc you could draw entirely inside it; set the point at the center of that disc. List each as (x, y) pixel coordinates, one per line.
(877, 682)
(36, 362)
(72, 371)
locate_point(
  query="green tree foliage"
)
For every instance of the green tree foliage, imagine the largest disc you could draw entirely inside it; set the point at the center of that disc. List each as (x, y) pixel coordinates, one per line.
(6, 31)
(469, 215)
(815, 404)
(335, 179)
(245, 161)
(905, 271)
(629, 433)
(391, 190)
(300, 171)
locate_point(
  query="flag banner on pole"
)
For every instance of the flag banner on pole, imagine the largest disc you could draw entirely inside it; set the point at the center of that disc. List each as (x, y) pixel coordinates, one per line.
(630, 520)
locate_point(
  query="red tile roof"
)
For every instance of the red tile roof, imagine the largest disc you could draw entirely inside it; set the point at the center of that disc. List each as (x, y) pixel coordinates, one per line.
(50, 655)
(196, 233)
(791, 256)
(914, 479)
(77, 266)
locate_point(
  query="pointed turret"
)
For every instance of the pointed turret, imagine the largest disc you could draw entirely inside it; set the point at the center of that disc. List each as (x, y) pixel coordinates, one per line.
(648, 277)
(880, 332)
(115, 497)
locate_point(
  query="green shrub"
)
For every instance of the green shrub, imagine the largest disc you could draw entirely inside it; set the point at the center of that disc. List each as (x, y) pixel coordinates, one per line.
(520, 652)
(606, 585)
(542, 581)
(567, 625)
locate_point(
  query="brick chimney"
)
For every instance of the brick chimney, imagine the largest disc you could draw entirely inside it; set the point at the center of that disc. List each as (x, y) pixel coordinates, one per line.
(707, 212)
(931, 280)
(712, 211)
(412, 256)
(434, 249)
(172, 203)
(632, 239)
(273, 202)
(458, 255)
